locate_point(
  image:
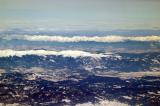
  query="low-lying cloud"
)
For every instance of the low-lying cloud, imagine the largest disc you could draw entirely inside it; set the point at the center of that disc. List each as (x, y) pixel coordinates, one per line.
(105, 39)
(64, 53)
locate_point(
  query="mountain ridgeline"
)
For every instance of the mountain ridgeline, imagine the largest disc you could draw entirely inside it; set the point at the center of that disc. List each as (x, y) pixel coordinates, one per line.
(122, 62)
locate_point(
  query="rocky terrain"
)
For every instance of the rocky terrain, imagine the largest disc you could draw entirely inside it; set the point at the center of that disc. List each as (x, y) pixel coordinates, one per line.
(18, 88)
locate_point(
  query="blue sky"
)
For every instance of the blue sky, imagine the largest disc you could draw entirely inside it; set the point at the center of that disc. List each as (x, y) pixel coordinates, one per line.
(82, 14)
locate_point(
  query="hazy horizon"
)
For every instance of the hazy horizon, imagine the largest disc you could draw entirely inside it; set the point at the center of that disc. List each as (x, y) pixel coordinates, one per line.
(80, 14)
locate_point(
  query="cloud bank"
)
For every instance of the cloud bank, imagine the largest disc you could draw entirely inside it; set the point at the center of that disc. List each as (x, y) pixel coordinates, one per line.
(65, 53)
(105, 39)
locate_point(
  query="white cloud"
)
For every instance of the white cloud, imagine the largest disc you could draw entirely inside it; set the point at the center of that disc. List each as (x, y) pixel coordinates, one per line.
(111, 38)
(65, 53)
